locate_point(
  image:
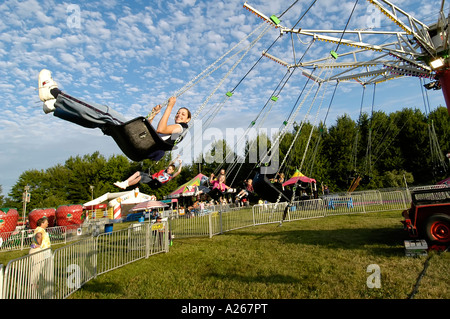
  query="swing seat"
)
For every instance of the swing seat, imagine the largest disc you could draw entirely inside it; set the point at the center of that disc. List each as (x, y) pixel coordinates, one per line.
(137, 138)
(268, 191)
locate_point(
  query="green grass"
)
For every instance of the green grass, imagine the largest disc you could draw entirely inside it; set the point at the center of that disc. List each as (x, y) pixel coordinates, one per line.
(324, 258)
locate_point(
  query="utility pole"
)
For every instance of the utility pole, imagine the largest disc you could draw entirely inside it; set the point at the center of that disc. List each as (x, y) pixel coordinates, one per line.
(25, 199)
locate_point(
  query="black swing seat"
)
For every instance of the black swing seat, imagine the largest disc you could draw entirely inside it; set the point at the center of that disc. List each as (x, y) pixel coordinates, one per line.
(137, 138)
(268, 190)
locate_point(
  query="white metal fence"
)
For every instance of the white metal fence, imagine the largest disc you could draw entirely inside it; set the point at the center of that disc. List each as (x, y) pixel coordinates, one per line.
(47, 275)
(22, 239)
(59, 274)
(226, 218)
(19, 240)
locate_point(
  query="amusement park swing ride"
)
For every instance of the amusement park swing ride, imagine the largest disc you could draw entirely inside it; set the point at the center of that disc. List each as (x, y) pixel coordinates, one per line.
(418, 49)
(375, 56)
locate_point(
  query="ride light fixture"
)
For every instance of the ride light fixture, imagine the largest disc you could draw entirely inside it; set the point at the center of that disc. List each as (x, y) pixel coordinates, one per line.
(437, 63)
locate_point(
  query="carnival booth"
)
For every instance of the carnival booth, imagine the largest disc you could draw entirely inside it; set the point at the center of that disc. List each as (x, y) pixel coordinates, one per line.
(144, 210)
(185, 192)
(188, 189)
(115, 205)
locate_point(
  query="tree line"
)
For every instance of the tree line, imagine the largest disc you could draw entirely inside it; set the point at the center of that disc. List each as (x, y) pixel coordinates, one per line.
(386, 150)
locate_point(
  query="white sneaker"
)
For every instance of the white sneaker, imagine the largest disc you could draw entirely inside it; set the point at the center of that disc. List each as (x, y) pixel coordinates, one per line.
(49, 106)
(122, 185)
(197, 191)
(46, 83)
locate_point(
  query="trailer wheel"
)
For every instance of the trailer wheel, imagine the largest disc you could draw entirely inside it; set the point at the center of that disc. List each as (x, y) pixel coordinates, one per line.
(437, 229)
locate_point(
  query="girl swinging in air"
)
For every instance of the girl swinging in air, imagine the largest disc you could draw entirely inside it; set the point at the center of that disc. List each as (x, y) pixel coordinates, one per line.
(92, 115)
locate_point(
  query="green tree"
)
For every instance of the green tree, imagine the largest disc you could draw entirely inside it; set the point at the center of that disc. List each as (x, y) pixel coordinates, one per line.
(412, 143)
(2, 197)
(84, 172)
(439, 129)
(37, 182)
(338, 152)
(396, 178)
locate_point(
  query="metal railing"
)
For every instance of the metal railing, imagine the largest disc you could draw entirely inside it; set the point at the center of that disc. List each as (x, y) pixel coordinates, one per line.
(186, 226)
(228, 218)
(74, 265)
(22, 239)
(28, 277)
(47, 275)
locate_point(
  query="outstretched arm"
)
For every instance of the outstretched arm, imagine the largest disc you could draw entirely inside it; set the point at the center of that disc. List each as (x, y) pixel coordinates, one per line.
(179, 169)
(174, 160)
(163, 128)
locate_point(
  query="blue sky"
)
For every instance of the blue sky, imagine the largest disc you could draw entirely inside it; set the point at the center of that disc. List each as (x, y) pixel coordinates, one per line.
(132, 55)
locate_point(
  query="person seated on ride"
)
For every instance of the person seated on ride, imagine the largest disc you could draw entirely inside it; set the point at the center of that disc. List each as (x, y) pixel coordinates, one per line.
(154, 181)
(222, 172)
(93, 115)
(248, 189)
(279, 178)
(218, 187)
(303, 195)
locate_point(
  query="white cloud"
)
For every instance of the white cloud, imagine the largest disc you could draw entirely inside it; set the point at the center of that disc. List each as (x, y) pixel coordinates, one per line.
(116, 78)
(68, 58)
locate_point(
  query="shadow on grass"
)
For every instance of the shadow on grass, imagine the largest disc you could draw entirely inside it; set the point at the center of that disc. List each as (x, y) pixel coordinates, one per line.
(271, 279)
(380, 241)
(102, 288)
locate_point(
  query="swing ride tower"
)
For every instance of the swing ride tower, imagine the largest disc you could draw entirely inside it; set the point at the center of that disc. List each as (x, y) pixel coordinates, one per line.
(417, 50)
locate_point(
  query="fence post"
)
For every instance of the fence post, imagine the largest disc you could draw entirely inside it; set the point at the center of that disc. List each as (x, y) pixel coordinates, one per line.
(1, 281)
(253, 214)
(220, 222)
(363, 203)
(21, 240)
(210, 224)
(95, 261)
(166, 236)
(147, 239)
